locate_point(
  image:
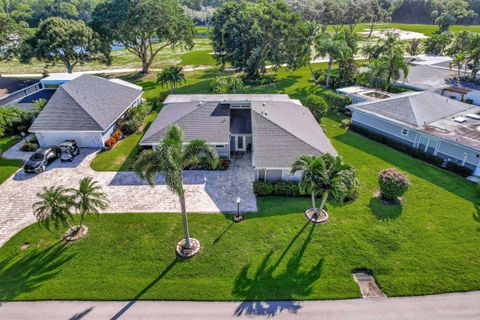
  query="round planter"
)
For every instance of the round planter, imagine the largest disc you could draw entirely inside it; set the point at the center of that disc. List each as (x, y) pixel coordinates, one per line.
(322, 217)
(75, 233)
(185, 253)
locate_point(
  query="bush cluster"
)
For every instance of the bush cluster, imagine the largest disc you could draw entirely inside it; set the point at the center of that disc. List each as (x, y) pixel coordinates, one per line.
(29, 147)
(317, 105)
(226, 84)
(393, 184)
(117, 135)
(281, 188)
(437, 161)
(223, 164)
(135, 118)
(336, 102)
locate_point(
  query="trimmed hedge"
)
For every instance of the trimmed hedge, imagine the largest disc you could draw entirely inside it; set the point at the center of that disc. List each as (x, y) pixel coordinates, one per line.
(281, 188)
(336, 102)
(436, 161)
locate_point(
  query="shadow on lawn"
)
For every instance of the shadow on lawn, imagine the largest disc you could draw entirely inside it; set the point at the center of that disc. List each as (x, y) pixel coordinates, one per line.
(144, 290)
(442, 178)
(385, 211)
(19, 276)
(269, 281)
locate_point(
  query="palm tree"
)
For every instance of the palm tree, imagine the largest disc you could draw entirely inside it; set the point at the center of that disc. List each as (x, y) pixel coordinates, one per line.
(55, 206)
(170, 158)
(325, 175)
(7, 117)
(395, 63)
(89, 198)
(459, 61)
(170, 77)
(335, 47)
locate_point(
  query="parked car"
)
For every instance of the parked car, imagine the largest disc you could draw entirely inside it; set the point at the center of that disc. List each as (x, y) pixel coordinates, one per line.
(39, 161)
(69, 150)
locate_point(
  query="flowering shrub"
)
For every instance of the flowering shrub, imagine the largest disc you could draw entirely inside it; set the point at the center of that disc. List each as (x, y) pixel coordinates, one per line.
(110, 142)
(117, 135)
(393, 184)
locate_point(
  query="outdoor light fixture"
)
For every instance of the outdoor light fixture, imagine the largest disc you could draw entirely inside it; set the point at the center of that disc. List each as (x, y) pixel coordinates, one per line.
(238, 217)
(24, 136)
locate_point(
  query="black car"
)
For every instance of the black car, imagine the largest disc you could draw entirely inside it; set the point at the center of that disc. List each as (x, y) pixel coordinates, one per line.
(39, 161)
(69, 150)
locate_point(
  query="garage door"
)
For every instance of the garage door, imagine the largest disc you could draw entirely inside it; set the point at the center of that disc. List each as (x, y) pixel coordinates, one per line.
(84, 139)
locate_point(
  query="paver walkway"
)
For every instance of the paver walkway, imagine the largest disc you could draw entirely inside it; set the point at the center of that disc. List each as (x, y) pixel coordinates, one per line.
(206, 191)
(458, 306)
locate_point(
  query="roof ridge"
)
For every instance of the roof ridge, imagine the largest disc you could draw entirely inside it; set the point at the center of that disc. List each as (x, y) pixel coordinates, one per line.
(285, 130)
(79, 104)
(412, 108)
(399, 96)
(81, 107)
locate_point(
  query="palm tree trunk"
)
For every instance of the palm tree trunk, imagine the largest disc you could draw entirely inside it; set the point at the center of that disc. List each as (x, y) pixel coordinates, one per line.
(313, 200)
(185, 221)
(329, 69)
(324, 200)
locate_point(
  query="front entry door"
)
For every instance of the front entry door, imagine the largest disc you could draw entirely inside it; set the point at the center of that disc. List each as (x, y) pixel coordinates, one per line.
(240, 143)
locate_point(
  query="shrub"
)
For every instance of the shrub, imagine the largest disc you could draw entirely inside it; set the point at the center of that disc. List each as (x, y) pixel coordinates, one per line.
(284, 188)
(219, 85)
(141, 110)
(317, 76)
(131, 126)
(335, 101)
(110, 142)
(34, 139)
(117, 134)
(317, 106)
(345, 123)
(29, 147)
(223, 163)
(261, 188)
(393, 184)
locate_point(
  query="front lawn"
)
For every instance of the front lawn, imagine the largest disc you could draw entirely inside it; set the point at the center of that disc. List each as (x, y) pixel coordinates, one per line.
(8, 167)
(428, 245)
(121, 157)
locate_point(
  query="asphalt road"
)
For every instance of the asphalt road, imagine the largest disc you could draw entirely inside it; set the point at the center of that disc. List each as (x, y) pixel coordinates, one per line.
(456, 306)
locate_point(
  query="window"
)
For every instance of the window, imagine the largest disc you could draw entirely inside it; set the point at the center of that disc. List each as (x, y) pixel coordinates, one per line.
(219, 146)
(404, 132)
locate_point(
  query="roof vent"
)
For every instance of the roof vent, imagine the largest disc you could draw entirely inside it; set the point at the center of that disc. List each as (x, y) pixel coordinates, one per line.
(472, 116)
(199, 104)
(460, 119)
(264, 104)
(266, 113)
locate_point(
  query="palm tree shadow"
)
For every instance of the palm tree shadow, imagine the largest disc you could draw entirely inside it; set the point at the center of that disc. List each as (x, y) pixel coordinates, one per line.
(144, 290)
(26, 274)
(267, 282)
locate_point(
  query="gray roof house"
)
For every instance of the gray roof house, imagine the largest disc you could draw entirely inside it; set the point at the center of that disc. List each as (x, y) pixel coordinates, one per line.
(427, 121)
(276, 129)
(84, 109)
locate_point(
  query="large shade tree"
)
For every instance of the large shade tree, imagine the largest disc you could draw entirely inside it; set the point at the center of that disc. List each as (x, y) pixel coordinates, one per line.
(447, 12)
(250, 35)
(10, 37)
(144, 27)
(170, 158)
(70, 42)
(327, 176)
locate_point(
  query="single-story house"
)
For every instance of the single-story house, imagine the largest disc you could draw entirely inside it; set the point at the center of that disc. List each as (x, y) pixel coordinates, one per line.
(361, 94)
(428, 122)
(85, 109)
(274, 128)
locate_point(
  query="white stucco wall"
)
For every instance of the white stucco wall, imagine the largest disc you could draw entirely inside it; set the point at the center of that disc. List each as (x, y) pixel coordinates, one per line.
(84, 139)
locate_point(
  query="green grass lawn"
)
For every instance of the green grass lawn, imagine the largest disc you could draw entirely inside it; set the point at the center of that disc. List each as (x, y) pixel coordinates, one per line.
(8, 167)
(197, 58)
(428, 245)
(121, 157)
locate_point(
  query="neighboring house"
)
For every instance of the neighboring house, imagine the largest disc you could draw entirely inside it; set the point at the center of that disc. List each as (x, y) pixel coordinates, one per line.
(274, 128)
(85, 109)
(361, 94)
(464, 91)
(427, 121)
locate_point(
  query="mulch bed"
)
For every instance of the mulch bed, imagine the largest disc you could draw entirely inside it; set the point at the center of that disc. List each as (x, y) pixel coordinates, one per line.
(75, 233)
(182, 252)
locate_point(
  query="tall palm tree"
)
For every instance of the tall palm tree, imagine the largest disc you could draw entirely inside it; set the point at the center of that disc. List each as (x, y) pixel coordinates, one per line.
(55, 206)
(7, 117)
(334, 47)
(325, 175)
(395, 63)
(171, 77)
(89, 198)
(170, 158)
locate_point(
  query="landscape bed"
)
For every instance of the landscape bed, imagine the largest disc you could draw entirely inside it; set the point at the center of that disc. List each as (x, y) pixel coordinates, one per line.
(428, 245)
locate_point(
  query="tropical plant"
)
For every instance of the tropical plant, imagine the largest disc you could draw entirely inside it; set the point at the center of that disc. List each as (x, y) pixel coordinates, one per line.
(334, 47)
(414, 47)
(170, 158)
(171, 77)
(459, 61)
(317, 105)
(39, 104)
(326, 175)
(54, 207)
(393, 184)
(438, 43)
(88, 199)
(7, 117)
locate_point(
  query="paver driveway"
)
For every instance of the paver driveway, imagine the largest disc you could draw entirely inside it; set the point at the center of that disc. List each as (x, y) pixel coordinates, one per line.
(205, 191)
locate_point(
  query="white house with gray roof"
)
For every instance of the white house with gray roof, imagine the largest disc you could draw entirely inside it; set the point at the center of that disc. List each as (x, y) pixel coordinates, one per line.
(274, 129)
(427, 121)
(86, 109)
